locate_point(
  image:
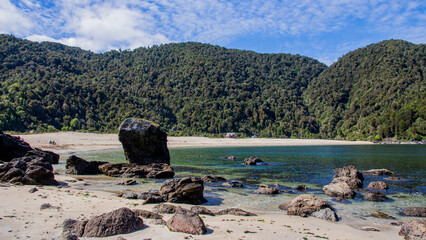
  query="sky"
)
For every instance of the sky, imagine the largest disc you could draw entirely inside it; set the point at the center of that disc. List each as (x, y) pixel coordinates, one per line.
(321, 29)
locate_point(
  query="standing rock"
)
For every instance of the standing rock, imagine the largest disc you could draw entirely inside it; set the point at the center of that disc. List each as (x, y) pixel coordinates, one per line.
(143, 142)
(414, 230)
(187, 222)
(380, 185)
(184, 190)
(378, 172)
(304, 205)
(79, 166)
(120, 221)
(252, 161)
(265, 189)
(414, 211)
(340, 189)
(375, 196)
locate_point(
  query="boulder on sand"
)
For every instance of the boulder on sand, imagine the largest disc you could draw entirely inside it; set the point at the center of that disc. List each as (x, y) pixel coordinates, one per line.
(143, 142)
(414, 230)
(304, 205)
(184, 190)
(120, 221)
(79, 166)
(187, 222)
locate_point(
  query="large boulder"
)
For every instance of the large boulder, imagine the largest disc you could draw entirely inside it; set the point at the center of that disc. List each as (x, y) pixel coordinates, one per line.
(120, 221)
(79, 166)
(143, 142)
(304, 205)
(378, 172)
(414, 230)
(187, 222)
(339, 189)
(28, 171)
(184, 190)
(414, 211)
(132, 170)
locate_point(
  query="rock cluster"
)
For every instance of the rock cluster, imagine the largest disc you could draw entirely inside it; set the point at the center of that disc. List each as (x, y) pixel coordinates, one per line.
(306, 205)
(143, 142)
(344, 182)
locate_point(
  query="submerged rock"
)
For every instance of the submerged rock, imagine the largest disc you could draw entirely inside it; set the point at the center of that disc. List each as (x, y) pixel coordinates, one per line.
(79, 166)
(184, 190)
(210, 179)
(378, 172)
(132, 170)
(414, 230)
(375, 196)
(265, 189)
(187, 222)
(394, 179)
(380, 185)
(381, 215)
(143, 142)
(252, 161)
(120, 221)
(414, 211)
(233, 184)
(230, 158)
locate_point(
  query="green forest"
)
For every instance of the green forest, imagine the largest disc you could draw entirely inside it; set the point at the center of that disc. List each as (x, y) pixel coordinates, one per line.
(199, 89)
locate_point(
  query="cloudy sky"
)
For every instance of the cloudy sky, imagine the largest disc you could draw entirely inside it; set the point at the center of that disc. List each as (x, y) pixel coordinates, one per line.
(322, 29)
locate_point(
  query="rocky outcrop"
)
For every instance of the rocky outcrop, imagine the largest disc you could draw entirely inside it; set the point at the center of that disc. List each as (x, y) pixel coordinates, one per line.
(120, 221)
(132, 170)
(380, 185)
(253, 161)
(79, 166)
(340, 189)
(187, 222)
(265, 189)
(375, 196)
(305, 205)
(378, 172)
(414, 230)
(143, 142)
(235, 212)
(183, 190)
(414, 211)
(210, 179)
(28, 171)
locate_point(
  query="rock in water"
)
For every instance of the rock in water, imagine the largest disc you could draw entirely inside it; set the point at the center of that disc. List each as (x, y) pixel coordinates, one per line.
(120, 221)
(187, 222)
(79, 166)
(414, 211)
(184, 190)
(380, 185)
(143, 142)
(340, 189)
(265, 189)
(375, 196)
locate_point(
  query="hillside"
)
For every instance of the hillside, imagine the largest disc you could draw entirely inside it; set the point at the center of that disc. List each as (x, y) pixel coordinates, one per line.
(201, 89)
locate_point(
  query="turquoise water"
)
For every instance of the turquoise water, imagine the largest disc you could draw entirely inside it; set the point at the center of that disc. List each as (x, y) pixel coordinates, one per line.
(290, 166)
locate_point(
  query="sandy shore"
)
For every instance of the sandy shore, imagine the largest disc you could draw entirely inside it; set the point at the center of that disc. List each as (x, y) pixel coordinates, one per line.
(75, 142)
(22, 218)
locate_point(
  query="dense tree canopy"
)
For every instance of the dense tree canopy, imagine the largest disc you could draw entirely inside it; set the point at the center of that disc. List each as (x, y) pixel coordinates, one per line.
(198, 89)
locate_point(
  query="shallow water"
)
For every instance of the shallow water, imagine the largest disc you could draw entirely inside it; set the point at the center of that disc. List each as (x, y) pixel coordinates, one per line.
(290, 166)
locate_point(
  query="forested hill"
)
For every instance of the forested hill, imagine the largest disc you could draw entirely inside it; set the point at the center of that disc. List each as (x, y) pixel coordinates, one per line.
(196, 89)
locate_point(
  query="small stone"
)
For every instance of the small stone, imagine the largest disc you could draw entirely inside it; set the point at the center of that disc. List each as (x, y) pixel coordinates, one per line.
(370, 229)
(33, 190)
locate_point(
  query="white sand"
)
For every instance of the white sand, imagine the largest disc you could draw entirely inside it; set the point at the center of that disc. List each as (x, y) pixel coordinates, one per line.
(77, 141)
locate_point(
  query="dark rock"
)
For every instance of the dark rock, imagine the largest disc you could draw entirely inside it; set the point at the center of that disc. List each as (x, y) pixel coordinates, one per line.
(202, 210)
(233, 184)
(12, 147)
(378, 172)
(48, 156)
(301, 188)
(252, 161)
(326, 214)
(304, 205)
(414, 230)
(380, 185)
(132, 170)
(235, 212)
(265, 189)
(33, 190)
(120, 221)
(48, 206)
(127, 182)
(184, 190)
(186, 222)
(210, 179)
(414, 211)
(28, 171)
(143, 142)
(147, 214)
(230, 158)
(130, 195)
(165, 208)
(375, 196)
(370, 229)
(381, 215)
(340, 189)
(79, 166)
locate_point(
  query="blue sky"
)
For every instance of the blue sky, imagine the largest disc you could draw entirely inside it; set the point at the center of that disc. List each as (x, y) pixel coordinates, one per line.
(322, 29)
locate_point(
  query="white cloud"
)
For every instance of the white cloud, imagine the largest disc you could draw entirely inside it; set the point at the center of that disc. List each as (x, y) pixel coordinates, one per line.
(12, 20)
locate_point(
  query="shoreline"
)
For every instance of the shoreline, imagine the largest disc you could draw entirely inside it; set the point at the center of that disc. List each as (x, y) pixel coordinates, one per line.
(82, 142)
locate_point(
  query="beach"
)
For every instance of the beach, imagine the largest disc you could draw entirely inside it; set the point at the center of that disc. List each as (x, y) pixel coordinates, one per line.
(22, 217)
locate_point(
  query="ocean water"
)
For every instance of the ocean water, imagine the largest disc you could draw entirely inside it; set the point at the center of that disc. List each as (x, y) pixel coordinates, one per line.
(290, 166)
